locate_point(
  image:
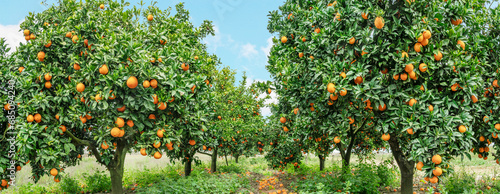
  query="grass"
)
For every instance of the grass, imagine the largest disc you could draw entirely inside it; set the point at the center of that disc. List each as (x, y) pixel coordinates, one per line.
(147, 175)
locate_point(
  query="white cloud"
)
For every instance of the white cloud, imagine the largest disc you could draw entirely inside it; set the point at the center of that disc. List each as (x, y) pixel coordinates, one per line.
(218, 40)
(248, 50)
(12, 35)
(267, 49)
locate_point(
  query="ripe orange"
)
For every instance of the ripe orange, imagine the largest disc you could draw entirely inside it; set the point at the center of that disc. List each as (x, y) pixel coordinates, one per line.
(404, 76)
(157, 144)
(154, 83)
(145, 84)
(115, 132)
(436, 159)
(130, 123)
(474, 98)
(358, 80)
(343, 92)
(379, 22)
(101, 6)
(420, 165)
(481, 139)
(162, 106)
(285, 129)
(282, 119)
(157, 155)
(396, 77)
(26, 32)
(422, 67)
(48, 85)
(132, 82)
(352, 40)
(417, 47)
(437, 171)
(53, 172)
(412, 102)
(143, 151)
(80, 87)
(104, 145)
(155, 99)
(74, 39)
(434, 179)
(152, 117)
(21, 69)
(120, 122)
(336, 139)
(284, 39)
(409, 68)
(497, 126)
(192, 142)
(121, 109)
(420, 38)
(425, 42)
(6, 106)
(41, 56)
(184, 67)
(364, 16)
(317, 30)
(427, 34)
(382, 108)
(462, 44)
(431, 108)
(438, 56)
(103, 69)
(150, 17)
(38, 118)
(159, 133)
(386, 137)
(343, 75)
(76, 66)
(330, 87)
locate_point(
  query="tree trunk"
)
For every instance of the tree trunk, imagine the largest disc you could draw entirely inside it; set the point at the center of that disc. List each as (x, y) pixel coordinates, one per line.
(213, 166)
(405, 166)
(236, 158)
(227, 164)
(321, 163)
(187, 167)
(116, 168)
(346, 156)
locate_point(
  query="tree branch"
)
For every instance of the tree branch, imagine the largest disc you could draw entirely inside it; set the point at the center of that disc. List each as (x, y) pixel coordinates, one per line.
(205, 153)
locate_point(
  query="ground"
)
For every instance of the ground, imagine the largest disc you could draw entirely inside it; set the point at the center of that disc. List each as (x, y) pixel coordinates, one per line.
(252, 175)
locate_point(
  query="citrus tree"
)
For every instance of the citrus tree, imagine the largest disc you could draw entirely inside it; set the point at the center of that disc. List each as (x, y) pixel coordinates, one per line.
(7, 115)
(486, 26)
(409, 58)
(234, 120)
(318, 87)
(111, 79)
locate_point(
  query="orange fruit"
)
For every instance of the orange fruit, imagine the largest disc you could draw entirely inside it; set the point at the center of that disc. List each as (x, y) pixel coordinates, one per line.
(431, 108)
(115, 132)
(121, 109)
(48, 85)
(76, 66)
(146, 84)
(422, 67)
(409, 68)
(410, 131)
(342, 74)
(396, 77)
(437, 171)
(438, 56)
(404, 76)
(343, 92)
(336, 139)
(330, 87)
(184, 67)
(26, 32)
(21, 69)
(80, 87)
(152, 117)
(425, 42)
(436, 159)
(130, 123)
(417, 47)
(420, 165)
(159, 133)
(74, 39)
(104, 145)
(462, 44)
(282, 119)
(481, 139)
(497, 126)
(162, 106)
(382, 107)
(41, 56)
(284, 39)
(132, 82)
(285, 129)
(38, 118)
(154, 83)
(157, 155)
(352, 40)
(103, 69)
(192, 142)
(473, 98)
(101, 6)
(386, 137)
(155, 99)
(120, 122)
(364, 16)
(427, 34)
(379, 22)
(434, 179)
(412, 102)
(150, 17)
(143, 151)
(420, 38)
(317, 30)
(358, 80)
(53, 172)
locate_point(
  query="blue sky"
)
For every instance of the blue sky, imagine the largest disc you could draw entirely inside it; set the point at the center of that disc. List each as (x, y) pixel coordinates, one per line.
(242, 40)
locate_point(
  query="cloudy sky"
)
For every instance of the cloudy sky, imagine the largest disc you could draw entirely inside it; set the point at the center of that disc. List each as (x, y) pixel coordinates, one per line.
(241, 39)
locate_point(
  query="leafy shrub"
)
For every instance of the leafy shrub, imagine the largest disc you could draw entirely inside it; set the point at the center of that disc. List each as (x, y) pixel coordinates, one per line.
(460, 182)
(231, 168)
(69, 185)
(97, 182)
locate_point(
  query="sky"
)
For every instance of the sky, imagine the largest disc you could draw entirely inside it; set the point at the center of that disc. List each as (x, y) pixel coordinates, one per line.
(241, 39)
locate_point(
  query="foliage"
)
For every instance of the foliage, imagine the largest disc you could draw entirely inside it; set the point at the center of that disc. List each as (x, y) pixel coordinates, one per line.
(70, 185)
(97, 182)
(149, 74)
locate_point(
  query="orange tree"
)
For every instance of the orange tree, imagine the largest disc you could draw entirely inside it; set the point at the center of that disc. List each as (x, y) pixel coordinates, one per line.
(234, 119)
(318, 87)
(487, 125)
(7, 116)
(109, 79)
(408, 58)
